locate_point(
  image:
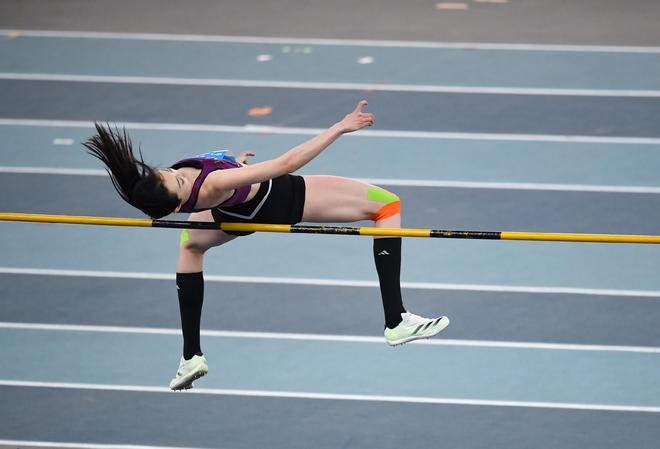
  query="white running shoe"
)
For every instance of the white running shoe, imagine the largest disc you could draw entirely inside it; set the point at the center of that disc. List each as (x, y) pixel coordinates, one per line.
(188, 372)
(414, 327)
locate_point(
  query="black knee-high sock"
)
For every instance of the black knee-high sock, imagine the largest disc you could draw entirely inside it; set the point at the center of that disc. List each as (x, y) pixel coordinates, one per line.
(387, 255)
(190, 287)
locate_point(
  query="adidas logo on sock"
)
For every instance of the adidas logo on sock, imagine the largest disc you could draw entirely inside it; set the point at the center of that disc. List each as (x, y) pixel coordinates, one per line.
(383, 253)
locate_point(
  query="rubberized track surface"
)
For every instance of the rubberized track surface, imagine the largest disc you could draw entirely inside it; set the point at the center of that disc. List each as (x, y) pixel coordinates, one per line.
(551, 345)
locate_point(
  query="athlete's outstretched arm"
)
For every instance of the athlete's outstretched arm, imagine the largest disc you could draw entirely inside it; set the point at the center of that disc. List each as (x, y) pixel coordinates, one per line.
(292, 160)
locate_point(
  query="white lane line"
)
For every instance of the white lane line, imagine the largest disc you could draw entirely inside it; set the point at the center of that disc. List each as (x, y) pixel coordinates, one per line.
(333, 338)
(328, 86)
(54, 171)
(58, 444)
(338, 282)
(337, 42)
(391, 182)
(336, 396)
(511, 185)
(260, 129)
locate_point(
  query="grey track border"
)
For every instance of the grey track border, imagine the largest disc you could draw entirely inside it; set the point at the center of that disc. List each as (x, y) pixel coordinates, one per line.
(585, 22)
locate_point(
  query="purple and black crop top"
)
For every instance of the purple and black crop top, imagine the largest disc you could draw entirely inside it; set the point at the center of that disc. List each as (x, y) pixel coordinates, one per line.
(207, 163)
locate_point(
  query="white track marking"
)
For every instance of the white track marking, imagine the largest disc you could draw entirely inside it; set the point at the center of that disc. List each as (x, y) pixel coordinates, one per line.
(63, 141)
(333, 338)
(365, 60)
(59, 444)
(511, 185)
(391, 182)
(327, 86)
(336, 396)
(260, 129)
(339, 282)
(338, 42)
(54, 171)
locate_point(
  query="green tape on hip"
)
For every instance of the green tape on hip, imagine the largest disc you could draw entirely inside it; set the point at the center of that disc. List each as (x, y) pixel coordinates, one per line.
(381, 196)
(185, 236)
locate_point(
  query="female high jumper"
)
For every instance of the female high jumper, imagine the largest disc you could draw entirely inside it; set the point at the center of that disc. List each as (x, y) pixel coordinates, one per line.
(215, 187)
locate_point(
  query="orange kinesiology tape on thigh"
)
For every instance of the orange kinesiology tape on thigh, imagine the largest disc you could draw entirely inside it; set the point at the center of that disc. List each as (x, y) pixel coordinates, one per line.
(387, 211)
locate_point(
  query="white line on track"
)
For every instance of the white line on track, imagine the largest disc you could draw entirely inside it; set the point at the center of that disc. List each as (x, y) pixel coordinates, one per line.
(59, 444)
(260, 129)
(336, 396)
(328, 86)
(511, 185)
(333, 338)
(338, 42)
(54, 171)
(338, 282)
(390, 182)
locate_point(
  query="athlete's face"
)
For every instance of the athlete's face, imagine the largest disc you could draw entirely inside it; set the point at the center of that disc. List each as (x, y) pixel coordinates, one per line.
(176, 183)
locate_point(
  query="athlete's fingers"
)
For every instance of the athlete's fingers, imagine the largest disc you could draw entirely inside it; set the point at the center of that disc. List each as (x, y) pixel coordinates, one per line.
(360, 105)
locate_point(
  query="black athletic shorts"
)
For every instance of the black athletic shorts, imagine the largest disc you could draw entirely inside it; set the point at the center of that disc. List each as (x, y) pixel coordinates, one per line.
(278, 201)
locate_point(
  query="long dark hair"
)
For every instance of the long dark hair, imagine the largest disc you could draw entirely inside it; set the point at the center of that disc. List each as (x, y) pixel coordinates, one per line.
(136, 182)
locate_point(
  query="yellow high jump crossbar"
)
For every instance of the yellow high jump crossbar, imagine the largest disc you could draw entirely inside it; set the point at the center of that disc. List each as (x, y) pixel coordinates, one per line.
(335, 230)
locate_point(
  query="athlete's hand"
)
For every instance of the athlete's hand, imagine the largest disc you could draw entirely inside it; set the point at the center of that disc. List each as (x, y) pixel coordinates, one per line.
(357, 119)
(242, 158)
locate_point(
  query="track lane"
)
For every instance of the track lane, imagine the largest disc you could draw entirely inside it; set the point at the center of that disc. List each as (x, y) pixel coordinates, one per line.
(331, 63)
(357, 155)
(241, 422)
(485, 113)
(522, 317)
(473, 373)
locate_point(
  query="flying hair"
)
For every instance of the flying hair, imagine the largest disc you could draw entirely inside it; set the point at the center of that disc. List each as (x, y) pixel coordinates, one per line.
(136, 182)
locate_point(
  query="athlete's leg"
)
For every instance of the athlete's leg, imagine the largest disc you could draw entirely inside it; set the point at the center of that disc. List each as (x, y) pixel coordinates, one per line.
(190, 281)
(195, 242)
(329, 198)
(190, 289)
(336, 199)
(333, 198)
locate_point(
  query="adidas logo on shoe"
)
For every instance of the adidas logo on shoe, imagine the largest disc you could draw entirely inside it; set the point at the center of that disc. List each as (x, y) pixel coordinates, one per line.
(383, 253)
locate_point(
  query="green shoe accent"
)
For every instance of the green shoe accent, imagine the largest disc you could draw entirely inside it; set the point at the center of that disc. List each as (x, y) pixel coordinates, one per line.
(188, 372)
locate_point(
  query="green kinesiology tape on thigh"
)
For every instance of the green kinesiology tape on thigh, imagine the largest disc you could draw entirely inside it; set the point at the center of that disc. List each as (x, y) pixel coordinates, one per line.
(185, 236)
(381, 196)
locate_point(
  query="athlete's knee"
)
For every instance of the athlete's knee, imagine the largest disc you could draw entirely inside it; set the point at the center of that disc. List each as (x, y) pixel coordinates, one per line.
(186, 243)
(391, 203)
